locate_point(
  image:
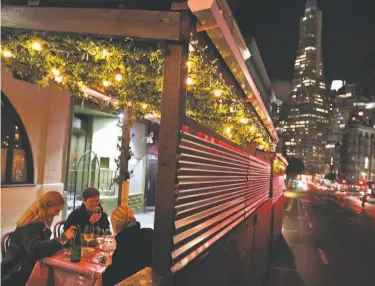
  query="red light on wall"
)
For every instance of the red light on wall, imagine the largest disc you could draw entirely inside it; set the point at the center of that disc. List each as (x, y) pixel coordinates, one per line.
(344, 181)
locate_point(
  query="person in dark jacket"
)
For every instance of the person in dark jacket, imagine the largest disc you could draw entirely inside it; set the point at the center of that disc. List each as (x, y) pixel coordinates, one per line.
(85, 214)
(31, 240)
(133, 250)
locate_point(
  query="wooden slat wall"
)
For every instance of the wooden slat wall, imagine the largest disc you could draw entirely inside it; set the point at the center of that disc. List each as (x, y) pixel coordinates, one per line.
(278, 187)
(219, 185)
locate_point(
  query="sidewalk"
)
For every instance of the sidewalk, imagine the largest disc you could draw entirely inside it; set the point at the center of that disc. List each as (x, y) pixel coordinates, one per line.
(283, 270)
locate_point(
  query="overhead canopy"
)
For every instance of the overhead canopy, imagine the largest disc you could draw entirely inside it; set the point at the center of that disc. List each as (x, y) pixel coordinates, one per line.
(233, 50)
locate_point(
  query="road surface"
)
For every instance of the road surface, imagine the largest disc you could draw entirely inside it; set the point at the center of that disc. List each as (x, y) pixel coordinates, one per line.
(326, 242)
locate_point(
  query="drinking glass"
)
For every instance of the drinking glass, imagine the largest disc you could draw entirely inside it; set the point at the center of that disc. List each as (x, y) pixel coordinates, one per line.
(100, 236)
(88, 233)
(108, 241)
(63, 241)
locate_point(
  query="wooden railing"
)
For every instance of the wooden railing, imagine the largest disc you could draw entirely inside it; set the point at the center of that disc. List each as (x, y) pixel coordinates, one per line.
(219, 185)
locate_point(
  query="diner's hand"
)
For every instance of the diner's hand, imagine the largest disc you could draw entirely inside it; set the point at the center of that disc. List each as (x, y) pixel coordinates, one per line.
(69, 234)
(94, 218)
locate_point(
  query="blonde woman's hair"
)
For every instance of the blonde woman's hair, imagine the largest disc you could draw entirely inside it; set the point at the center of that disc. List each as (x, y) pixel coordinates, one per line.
(122, 217)
(37, 211)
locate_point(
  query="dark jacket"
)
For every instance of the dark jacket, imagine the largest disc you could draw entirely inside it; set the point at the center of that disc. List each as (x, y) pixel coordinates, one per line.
(81, 217)
(28, 244)
(133, 253)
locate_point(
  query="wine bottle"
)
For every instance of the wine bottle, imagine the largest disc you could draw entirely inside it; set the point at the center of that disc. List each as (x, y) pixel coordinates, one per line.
(75, 255)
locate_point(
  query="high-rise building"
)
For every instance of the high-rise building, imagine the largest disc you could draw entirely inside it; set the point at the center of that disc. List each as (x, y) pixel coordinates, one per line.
(305, 129)
(345, 101)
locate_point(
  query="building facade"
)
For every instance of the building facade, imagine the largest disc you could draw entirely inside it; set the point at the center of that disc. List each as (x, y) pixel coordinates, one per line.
(357, 160)
(305, 128)
(345, 102)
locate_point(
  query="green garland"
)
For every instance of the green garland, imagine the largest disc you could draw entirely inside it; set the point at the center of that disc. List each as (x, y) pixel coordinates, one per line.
(131, 72)
(211, 100)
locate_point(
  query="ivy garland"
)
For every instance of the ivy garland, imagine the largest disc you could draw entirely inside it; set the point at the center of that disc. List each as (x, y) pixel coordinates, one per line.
(211, 100)
(132, 73)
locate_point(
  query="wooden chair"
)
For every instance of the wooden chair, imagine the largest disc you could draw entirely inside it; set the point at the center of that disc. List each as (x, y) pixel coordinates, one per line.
(58, 228)
(5, 241)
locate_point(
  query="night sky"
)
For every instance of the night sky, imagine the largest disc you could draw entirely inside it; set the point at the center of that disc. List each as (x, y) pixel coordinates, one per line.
(348, 36)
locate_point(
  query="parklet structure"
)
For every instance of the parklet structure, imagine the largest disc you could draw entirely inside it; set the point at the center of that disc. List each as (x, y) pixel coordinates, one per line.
(219, 196)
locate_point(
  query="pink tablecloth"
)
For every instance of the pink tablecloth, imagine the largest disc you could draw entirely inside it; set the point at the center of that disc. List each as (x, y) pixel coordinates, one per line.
(57, 271)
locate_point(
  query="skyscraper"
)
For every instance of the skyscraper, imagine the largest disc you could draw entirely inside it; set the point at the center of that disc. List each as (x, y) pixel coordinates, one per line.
(305, 129)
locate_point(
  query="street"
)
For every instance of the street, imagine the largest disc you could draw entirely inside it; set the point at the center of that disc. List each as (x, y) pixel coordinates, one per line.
(326, 242)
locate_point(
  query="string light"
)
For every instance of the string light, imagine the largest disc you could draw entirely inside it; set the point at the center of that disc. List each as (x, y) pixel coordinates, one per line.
(244, 120)
(36, 46)
(118, 77)
(188, 64)
(106, 83)
(218, 92)
(58, 79)
(55, 72)
(105, 53)
(227, 130)
(144, 106)
(129, 104)
(252, 128)
(189, 81)
(7, 54)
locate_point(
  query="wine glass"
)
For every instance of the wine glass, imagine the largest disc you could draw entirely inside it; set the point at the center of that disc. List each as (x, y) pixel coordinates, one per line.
(108, 240)
(88, 233)
(63, 241)
(100, 236)
(98, 211)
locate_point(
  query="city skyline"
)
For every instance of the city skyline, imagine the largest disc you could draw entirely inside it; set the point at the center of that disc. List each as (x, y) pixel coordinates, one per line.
(277, 37)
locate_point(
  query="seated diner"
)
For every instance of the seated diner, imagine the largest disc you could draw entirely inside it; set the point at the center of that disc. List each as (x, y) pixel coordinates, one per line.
(133, 247)
(31, 239)
(90, 212)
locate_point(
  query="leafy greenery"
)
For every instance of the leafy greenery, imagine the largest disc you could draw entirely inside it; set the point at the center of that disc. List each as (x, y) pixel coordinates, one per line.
(296, 166)
(211, 100)
(131, 72)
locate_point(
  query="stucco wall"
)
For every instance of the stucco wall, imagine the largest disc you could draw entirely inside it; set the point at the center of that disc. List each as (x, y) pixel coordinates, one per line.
(45, 114)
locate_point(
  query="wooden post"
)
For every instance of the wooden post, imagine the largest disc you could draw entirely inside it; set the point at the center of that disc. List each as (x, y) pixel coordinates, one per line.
(123, 197)
(172, 117)
(252, 148)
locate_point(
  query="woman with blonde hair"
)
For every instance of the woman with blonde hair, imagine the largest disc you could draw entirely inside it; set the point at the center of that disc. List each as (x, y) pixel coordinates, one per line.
(31, 239)
(133, 247)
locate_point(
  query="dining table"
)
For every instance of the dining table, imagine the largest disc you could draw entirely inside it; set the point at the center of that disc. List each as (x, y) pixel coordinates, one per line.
(58, 270)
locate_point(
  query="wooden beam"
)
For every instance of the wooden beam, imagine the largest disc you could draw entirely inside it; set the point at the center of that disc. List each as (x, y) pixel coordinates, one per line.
(161, 25)
(172, 118)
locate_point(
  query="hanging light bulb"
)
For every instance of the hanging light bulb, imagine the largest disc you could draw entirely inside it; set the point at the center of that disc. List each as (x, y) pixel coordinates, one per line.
(55, 72)
(106, 83)
(218, 93)
(144, 106)
(58, 79)
(36, 46)
(7, 54)
(118, 77)
(189, 81)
